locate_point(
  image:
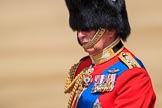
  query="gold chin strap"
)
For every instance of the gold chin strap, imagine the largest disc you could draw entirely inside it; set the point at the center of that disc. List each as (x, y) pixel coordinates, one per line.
(95, 39)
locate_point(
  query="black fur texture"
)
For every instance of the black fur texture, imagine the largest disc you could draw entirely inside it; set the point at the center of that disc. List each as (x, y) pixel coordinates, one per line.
(93, 14)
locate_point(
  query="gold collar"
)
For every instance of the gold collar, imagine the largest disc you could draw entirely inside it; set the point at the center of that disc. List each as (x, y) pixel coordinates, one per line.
(107, 53)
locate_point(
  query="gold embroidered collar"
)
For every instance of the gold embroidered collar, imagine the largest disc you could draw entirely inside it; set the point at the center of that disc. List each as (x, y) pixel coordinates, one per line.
(107, 53)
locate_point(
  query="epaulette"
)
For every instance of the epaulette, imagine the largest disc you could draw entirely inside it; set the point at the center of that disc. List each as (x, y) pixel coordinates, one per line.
(128, 60)
(71, 79)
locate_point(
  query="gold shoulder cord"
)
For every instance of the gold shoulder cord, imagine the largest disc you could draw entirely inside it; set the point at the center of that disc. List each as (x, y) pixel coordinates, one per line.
(95, 39)
(73, 83)
(78, 83)
(70, 78)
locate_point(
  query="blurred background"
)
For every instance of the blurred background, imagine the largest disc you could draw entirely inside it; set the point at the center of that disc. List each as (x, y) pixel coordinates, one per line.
(37, 49)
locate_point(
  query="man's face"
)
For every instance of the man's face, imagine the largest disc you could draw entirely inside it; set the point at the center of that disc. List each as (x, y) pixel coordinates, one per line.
(85, 36)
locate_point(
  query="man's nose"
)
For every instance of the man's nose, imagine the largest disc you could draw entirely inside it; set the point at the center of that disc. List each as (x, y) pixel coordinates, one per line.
(81, 34)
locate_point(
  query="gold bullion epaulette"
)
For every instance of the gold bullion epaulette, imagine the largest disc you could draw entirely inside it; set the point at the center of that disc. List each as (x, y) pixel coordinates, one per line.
(128, 60)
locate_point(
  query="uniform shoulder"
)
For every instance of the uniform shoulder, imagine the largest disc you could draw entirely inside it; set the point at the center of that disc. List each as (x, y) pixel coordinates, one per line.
(74, 71)
(83, 63)
(84, 58)
(78, 64)
(129, 60)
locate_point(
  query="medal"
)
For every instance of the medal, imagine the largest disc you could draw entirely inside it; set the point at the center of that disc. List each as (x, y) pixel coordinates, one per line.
(88, 78)
(104, 83)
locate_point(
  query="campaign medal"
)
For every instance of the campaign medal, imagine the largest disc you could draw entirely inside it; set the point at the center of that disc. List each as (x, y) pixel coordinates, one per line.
(111, 82)
(100, 83)
(105, 83)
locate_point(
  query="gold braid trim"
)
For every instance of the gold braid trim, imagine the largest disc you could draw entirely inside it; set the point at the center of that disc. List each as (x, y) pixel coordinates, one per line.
(77, 83)
(70, 78)
(95, 38)
(128, 59)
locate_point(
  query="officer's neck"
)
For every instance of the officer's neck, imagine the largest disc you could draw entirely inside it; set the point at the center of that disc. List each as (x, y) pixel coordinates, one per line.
(108, 52)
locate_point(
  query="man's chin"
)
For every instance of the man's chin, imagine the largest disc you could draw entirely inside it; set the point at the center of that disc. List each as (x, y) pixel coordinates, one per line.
(90, 51)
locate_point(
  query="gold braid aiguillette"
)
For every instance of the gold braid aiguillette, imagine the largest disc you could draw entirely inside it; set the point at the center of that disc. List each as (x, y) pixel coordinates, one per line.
(77, 84)
(70, 78)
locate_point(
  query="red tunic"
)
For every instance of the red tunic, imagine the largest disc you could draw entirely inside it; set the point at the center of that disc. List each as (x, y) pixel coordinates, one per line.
(132, 87)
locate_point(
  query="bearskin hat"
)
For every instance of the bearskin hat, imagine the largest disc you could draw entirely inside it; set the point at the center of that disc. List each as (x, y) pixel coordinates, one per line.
(94, 14)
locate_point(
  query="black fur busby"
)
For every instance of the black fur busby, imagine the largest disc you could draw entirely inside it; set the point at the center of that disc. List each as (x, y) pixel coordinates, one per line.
(94, 14)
